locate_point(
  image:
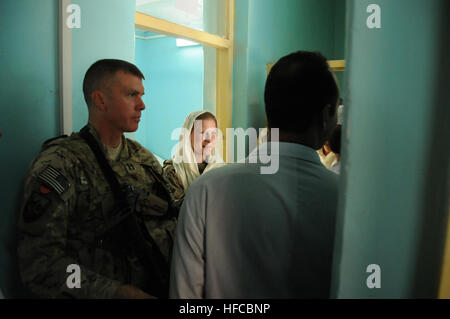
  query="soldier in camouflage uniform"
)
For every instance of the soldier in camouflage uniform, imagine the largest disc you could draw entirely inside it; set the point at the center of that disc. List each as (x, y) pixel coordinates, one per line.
(68, 201)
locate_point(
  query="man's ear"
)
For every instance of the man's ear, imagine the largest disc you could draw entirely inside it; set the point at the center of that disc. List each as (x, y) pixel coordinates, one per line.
(328, 120)
(99, 100)
(325, 116)
(329, 112)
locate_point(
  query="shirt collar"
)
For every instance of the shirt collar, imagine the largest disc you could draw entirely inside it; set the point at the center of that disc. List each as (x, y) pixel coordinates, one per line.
(285, 149)
(124, 153)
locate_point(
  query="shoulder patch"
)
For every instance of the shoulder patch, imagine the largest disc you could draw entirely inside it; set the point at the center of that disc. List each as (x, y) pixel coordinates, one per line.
(52, 178)
(35, 207)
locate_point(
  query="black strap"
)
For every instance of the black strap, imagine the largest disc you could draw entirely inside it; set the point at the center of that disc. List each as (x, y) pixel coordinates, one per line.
(104, 165)
(145, 253)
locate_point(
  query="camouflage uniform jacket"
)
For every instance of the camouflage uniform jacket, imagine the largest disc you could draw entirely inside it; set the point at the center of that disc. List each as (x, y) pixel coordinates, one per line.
(67, 200)
(174, 182)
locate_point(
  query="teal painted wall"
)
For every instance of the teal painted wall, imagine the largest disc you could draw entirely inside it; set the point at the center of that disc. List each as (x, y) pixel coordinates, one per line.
(340, 40)
(395, 102)
(173, 89)
(107, 32)
(240, 65)
(265, 31)
(29, 110)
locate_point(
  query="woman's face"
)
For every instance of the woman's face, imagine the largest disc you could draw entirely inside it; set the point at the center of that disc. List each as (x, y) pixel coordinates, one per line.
(203, 138)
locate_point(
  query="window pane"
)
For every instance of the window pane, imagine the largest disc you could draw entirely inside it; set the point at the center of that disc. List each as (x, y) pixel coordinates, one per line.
(205, 15)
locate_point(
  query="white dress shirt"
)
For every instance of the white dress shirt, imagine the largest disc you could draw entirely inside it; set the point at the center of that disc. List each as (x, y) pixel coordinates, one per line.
(242, 234)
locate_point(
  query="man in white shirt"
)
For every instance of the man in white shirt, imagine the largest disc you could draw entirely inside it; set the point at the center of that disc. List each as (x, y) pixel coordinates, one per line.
(243, 234)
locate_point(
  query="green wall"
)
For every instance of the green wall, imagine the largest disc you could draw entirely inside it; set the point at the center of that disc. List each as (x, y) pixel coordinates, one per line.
(265, 31)
(29, 109)
(392, 201)
(340, 40)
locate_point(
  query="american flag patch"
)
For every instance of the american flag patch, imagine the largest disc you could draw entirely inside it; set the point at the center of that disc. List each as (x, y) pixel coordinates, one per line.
(52, 178)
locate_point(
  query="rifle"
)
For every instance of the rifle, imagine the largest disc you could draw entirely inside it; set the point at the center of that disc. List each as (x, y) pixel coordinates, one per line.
(126, 230)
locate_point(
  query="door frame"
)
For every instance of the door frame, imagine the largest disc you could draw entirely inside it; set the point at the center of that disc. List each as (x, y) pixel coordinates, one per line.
(224, 57)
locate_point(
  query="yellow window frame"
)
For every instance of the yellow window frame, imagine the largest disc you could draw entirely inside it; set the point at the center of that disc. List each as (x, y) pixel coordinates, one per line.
(224, 56)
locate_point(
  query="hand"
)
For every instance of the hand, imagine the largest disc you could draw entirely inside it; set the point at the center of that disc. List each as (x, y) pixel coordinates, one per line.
(131, 292)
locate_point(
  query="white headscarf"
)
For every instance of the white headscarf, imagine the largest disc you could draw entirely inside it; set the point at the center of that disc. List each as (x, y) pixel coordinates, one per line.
(184, 160)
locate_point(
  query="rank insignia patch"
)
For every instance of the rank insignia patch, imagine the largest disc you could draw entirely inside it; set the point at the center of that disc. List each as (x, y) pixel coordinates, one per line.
(53, 179)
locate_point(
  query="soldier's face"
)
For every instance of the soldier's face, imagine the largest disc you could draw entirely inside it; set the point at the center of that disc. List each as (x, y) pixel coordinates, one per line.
(124, 102)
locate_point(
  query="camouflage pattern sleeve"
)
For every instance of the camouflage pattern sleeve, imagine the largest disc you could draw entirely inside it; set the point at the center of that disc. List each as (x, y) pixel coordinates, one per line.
(43, 253)
(175, 185)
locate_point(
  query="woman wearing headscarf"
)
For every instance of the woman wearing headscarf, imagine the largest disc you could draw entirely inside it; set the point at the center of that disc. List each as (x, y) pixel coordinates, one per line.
(197, 152)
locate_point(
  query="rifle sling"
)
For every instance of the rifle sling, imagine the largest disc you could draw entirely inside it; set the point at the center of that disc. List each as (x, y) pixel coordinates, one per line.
(108, 172)
(119, 197)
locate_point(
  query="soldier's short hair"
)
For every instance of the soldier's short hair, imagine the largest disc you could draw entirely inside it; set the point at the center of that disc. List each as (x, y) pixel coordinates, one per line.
(298, 87)
(101, 71)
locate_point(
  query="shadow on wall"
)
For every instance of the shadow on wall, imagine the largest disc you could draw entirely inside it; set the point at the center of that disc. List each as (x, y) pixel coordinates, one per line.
(12, 286)
(436, 205)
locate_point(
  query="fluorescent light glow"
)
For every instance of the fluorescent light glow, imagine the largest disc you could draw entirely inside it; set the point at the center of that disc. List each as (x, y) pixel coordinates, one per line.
(185, 43)
(142, 2)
